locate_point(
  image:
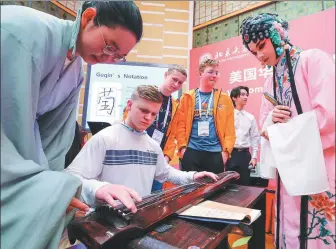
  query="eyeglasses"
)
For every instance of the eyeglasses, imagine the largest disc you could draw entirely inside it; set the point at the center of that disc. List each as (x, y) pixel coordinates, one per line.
(213, 73)
(108, 50)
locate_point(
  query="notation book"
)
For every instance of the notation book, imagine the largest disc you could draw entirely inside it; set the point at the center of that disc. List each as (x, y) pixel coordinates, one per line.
(218, 212)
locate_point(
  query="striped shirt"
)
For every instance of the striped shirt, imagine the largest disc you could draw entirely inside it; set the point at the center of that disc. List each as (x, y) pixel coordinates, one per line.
(118, 155)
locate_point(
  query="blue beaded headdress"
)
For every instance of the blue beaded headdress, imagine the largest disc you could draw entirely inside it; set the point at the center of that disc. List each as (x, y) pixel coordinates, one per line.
(263, 26)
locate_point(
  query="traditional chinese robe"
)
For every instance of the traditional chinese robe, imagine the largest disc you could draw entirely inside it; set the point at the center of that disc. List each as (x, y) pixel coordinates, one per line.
(315, 82)
(38, 113)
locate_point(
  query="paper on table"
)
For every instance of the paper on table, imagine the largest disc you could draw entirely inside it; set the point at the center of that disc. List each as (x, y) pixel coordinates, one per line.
(213, 213)
(216, 210)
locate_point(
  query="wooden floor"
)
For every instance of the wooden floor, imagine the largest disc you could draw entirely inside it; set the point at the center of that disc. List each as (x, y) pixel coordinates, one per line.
(269, 242)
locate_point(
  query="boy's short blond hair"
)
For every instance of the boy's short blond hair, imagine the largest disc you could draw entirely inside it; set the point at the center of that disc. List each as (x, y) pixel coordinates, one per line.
(147, 92)
(177, 68)
(207, 63)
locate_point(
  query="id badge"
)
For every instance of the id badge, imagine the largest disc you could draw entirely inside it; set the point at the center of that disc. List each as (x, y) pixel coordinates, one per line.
(203, 128)
(157, 136)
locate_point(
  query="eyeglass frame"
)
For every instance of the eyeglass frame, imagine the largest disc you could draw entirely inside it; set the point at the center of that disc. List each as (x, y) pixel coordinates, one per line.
(217, 73)
(109, 50)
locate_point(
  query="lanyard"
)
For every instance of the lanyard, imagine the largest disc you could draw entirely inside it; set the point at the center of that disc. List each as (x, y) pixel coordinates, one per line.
(132, 130)
(165, 118)
(200, 104)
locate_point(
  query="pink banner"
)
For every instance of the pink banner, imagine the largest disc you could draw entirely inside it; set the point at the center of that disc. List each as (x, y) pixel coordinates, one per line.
(239, 67)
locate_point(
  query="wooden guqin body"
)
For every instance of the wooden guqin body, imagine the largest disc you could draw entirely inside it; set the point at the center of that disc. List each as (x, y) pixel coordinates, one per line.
(109, 227)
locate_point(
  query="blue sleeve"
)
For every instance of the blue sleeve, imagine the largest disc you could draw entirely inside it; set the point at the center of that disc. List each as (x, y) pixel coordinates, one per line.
(33, 198)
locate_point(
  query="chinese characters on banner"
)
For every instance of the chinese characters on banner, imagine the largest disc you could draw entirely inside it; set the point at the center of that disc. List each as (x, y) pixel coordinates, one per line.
(238, 67)
(249, 74)
(228, 52)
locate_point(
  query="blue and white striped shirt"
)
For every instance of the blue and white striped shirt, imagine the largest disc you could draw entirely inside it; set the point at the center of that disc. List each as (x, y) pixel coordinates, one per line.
(118, 155)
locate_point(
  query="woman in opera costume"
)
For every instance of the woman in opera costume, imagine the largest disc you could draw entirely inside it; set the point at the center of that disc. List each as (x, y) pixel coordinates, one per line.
(302, 81)
(41, 77)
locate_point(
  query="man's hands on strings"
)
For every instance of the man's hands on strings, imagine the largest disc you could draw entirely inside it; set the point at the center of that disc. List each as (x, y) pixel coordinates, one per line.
(204, 174)
(112, 193)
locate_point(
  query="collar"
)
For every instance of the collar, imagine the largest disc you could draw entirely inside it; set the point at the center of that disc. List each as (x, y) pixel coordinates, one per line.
(194, 91)
(139, 133)
(75, 31)
(237, 111)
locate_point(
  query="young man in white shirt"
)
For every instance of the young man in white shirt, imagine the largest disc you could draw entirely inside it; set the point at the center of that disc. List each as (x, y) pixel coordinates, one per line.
(247, 136)
(121, 161)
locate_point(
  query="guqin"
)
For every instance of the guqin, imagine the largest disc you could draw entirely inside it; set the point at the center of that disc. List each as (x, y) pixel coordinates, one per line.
(108, 227)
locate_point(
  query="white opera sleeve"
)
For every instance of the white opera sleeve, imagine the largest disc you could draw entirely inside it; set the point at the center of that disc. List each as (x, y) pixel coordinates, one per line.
(267, 122)
(88, 166)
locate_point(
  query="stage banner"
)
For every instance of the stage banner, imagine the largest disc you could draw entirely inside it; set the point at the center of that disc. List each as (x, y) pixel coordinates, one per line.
(239, 67)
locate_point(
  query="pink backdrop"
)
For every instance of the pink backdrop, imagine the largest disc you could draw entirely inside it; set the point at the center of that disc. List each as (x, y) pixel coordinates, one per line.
(239, 67)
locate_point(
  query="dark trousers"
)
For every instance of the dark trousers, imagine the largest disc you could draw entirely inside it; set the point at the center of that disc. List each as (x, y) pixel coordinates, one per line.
(239, 162)
(195, 160)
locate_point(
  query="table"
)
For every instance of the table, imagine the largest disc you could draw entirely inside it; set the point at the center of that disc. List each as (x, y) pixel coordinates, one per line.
(186, 234)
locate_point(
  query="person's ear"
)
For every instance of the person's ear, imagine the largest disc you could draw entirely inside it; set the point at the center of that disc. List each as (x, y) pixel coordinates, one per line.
(129, 104)
(88, 15)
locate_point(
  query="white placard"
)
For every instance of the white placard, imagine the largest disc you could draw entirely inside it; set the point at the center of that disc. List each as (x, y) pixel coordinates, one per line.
(110, 86)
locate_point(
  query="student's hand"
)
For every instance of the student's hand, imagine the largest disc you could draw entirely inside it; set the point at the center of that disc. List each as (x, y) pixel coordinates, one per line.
(167, 159)
(183, 151)
(281, 114)
(253, 162)
(225, 156)
(200, 175)
(112, 192)
(264, 134)
(75, 203)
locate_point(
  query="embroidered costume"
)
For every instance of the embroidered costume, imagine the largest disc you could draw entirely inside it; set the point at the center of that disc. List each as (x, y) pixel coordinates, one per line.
(313, 74)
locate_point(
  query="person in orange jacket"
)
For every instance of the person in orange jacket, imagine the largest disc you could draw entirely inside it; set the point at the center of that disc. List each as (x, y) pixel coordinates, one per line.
(165, 123)
(205, 130)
